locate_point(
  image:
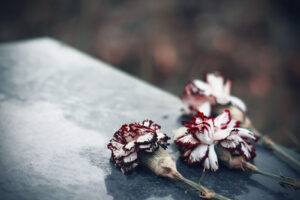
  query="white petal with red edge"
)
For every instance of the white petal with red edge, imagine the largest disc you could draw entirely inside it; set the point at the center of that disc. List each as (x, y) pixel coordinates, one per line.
(145, 138)
(188, 139)
(238, 103)
(160, 135)
(234, 137)
(222, 120)
(245, 133)
(204, 137)
(116, 144)
(213, 159)
(232, 124)
(245, 151)
(205, 108)
(118, 153)
(229, 144)
(198, 153)
(211, 128)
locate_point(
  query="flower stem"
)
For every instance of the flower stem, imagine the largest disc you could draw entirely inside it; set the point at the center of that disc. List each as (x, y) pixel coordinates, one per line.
(270, 144)
(161, 163)
(284, 181)
(206, 193)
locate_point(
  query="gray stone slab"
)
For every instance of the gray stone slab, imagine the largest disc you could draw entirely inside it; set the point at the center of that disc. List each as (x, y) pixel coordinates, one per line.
(58, 110)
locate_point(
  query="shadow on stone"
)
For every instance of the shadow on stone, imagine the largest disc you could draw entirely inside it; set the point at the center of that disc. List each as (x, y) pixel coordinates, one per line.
(138, 184)
(183, 118)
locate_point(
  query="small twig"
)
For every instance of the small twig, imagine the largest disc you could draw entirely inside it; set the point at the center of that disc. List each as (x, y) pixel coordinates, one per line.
(205, 192)
(293, 139)
(283, 181)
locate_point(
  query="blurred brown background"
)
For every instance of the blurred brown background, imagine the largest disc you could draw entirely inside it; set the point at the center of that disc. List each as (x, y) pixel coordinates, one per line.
(167, 43)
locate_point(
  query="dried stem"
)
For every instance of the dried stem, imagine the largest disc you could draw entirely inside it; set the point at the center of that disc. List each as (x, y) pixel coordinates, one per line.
(161, 163)
(283, 181)
(206, 193)
(270, 144)
(238, 162)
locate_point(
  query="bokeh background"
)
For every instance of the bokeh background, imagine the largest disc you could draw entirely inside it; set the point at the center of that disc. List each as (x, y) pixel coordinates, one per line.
(169, 42)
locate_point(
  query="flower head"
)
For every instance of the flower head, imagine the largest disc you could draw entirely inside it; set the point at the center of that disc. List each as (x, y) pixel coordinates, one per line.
(200, 96)
(132, 138)
(198, 138)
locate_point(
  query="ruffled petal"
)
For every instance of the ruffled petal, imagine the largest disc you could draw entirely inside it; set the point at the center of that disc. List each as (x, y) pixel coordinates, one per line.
(129, 145)
(232, 124)
(148, 137)
(204, 87)
(221, 134)
(187, 140)
(213, 159)
(222, 120)
(234, 137)
(204, 136)
(216, 83)
(115, 145)
(198, 154)
(245, 151)
(119, 153)
(232, 142)
(238, 103)
(245, 133)
(229, 144)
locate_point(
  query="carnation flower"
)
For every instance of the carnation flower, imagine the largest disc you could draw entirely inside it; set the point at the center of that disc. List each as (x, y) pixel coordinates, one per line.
(198, 139)
(132, 138)
(199, 96)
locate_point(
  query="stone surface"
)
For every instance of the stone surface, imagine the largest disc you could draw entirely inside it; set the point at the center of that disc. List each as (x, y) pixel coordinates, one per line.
(58, 110)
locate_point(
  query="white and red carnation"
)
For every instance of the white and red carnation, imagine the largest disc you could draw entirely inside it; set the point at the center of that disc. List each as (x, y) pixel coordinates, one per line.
(132, 138)
(198, 138)
(199, 96)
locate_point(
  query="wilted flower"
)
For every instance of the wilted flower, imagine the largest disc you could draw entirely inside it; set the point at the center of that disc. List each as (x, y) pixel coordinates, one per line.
(199, 96)
(132, 138)
(198, 139)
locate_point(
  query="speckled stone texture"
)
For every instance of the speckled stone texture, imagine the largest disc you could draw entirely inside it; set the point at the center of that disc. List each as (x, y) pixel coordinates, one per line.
(58, 110)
